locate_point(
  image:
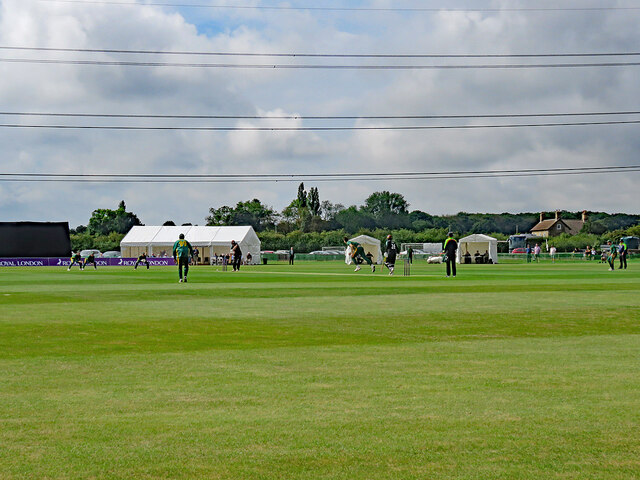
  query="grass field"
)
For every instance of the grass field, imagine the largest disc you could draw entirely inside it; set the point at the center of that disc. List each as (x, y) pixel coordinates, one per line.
(316, 372)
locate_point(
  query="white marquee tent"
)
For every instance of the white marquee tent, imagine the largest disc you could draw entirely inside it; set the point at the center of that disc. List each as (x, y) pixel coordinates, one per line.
(478, 243)
(211, 241)
(370, 245)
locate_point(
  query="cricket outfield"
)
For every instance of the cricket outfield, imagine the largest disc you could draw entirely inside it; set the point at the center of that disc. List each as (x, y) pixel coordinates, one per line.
(311, 371)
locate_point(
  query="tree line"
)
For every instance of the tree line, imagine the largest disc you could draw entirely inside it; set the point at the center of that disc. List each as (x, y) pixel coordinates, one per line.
(308, 223)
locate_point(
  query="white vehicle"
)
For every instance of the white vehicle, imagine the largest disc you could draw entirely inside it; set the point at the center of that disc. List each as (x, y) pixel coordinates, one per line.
(86, 253)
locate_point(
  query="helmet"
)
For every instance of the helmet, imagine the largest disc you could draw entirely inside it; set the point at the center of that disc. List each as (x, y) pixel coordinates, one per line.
(181, 236)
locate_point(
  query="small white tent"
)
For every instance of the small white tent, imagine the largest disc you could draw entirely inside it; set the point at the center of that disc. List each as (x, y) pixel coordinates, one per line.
(370, 245)
(211, 241)
(478, 243)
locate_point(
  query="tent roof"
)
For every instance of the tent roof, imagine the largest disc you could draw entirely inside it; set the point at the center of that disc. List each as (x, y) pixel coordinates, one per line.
(366, 239)
(477, 237)
(197, 235)
(169, 234)
(237, 233)
(140, 235)
(201, 235)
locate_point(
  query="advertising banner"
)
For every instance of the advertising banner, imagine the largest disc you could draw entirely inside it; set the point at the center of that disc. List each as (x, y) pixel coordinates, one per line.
(65, 262)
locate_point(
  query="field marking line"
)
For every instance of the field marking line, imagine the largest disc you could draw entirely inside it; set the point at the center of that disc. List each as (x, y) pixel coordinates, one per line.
(346, 274)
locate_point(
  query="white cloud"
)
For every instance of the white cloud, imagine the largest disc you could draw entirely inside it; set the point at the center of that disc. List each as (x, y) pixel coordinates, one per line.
(96, 89)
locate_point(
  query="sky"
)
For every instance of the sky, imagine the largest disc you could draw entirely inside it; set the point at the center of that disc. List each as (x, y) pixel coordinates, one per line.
(384, 27)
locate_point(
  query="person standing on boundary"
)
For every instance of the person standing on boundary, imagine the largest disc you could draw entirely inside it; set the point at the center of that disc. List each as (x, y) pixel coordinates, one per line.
(449, 249)
(410, 254)
(622, 253)
(358, 252)
(182, 252)
(237, 256)
(142, 259)
(391, 250)
(291, 255)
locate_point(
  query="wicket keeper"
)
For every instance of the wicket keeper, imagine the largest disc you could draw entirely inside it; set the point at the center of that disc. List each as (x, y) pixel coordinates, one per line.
(182, 252)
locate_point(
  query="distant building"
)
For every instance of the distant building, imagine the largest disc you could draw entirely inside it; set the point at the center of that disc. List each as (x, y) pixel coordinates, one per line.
(557, 226)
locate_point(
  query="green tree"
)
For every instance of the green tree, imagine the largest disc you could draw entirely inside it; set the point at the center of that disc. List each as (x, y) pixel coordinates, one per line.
(302, 196)
(384, 203)
(313, 202)
(104, 221)
(220, 216)
(252, 212)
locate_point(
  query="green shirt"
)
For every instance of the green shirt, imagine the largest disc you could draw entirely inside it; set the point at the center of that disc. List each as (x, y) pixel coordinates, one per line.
(182, 249)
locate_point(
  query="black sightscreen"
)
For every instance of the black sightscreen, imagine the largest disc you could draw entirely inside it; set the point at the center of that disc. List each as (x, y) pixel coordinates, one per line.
(34, 239)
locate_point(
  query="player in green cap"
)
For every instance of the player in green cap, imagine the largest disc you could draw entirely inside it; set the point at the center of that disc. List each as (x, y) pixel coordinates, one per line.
(182, 252)
(358, 252)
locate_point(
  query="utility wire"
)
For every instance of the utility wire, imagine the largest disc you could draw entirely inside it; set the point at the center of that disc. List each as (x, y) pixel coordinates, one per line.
(342, 9)
(335, 177)
(317, 175)
(311, 117)
(314, 66)
(307, 129)
(319, 55)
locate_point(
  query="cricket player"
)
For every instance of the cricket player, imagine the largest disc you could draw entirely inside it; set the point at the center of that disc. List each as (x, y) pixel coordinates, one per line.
(391, 250)
(182, 252)
(449, 249)
(236, 254)
(76, 258)
(622, 254)
(358, 252)
(142, 259)
(611, 257)
(90, 259)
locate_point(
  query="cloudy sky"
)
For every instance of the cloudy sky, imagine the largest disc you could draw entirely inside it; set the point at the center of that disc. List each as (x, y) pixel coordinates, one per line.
(365, 27)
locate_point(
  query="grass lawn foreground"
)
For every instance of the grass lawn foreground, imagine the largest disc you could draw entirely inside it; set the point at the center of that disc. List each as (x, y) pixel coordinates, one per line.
(312, 371)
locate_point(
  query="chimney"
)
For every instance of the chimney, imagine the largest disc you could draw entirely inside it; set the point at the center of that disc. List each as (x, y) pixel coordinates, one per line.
(541, 216)
(557, 214)
(584, 216)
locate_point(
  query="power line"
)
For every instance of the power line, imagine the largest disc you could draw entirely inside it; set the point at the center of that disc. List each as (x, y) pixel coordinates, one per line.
(307, 129)
(314, 66)
(311, 117)
(318, 55)
(343, 9)
(331, 177)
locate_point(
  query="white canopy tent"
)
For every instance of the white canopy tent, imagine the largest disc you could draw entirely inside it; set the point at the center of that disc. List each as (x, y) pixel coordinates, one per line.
(478, 243)
(370, 245)
(211, 241)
